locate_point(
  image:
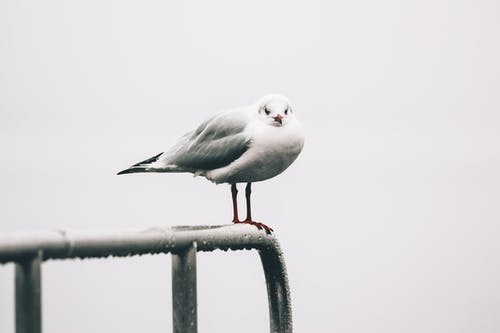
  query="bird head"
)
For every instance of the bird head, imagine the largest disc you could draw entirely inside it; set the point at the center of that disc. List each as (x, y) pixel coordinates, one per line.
(275, 110)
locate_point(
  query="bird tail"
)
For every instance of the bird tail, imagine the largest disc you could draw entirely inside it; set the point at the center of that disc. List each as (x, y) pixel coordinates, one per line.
(144, 166)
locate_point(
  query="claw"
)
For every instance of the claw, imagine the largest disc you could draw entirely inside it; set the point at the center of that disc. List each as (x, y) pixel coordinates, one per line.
(259, 225)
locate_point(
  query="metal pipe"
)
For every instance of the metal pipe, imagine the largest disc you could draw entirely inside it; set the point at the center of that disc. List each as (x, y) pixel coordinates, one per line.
(278, 293)
(184, 301)
(127, 242)
(28, 295)
(175, 240)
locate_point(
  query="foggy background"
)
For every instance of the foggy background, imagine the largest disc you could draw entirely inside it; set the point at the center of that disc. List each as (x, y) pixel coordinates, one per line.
(389, 219)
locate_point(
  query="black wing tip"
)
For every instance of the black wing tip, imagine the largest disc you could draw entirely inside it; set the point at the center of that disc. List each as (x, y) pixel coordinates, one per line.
(140, 167)
(149, 160)
(131, 170)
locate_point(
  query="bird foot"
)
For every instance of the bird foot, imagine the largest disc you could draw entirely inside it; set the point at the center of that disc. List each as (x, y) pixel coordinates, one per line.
(260, 226)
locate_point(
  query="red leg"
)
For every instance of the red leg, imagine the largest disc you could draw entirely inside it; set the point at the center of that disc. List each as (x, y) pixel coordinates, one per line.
(248, 191)
(248, 220)
(234, 193)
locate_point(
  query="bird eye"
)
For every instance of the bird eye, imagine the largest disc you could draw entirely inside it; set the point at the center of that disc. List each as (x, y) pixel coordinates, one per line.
(266, 110)
(286, 111)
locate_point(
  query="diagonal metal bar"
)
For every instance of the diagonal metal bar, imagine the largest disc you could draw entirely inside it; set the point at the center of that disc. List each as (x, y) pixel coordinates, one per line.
(278, 293)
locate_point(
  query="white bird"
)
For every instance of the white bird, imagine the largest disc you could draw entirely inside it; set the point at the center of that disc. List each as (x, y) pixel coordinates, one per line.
(245, 145)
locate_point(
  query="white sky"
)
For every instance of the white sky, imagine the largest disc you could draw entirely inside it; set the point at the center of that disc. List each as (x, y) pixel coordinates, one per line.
(389, 219)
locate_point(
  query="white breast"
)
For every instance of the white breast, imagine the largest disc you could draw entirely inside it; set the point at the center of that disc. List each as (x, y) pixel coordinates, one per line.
(272, 150)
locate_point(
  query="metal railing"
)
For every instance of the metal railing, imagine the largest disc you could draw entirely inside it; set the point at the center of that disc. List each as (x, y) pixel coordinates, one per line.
(28, 251)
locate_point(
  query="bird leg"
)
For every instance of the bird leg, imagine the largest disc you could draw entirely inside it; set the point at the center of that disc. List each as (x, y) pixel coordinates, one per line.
(248, 220)
(248, 191)
(234, 193)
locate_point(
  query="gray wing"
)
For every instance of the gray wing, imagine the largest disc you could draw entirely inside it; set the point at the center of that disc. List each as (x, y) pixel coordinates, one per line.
(214, 144)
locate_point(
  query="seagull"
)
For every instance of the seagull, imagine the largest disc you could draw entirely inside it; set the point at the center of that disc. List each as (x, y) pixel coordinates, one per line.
(243, 145)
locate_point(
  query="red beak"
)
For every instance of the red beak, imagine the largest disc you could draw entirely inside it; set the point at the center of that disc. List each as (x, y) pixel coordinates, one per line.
(278, 118)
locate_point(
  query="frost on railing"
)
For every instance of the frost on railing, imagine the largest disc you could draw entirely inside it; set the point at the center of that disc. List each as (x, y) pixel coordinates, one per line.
(29, 250)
